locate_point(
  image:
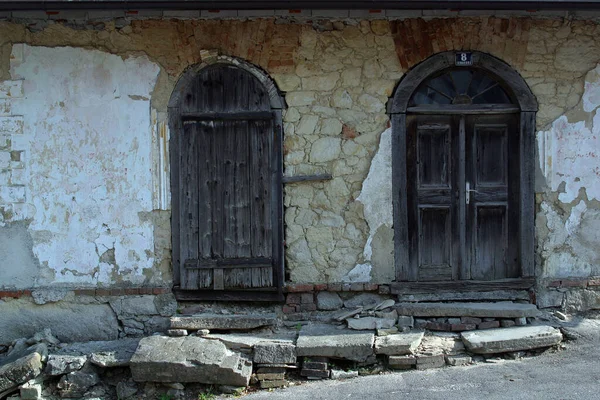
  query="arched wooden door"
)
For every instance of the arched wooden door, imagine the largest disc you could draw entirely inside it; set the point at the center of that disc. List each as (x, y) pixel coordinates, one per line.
(227, 187)
(463, 176)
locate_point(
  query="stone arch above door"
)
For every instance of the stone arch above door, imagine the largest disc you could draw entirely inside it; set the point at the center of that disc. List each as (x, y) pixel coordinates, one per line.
(522, 114)
(226, 183)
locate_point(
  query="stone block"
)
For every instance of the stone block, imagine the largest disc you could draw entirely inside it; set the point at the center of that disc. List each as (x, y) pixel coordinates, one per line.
(438, 326)
(327, 341)
(177, 332)
(274, 353)
(386, 332)
(480, 310)
(521, 321)
(344, 314)
(367, 323)
(329, 301)
(270, 384)
(63, 364)
(315, 365)
(430, 361)
(506, 340)
(86, 321)
(462, 327)
(507, 323)
(402, 362)
(31, 390)
(223, 322)
(456, 361)
(188, 359)
(470, 320)
(400, 344)
(489, 325)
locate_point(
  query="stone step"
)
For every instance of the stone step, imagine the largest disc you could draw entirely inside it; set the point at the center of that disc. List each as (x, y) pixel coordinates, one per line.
(502, 309)
(511, 339)
(223, 322)
(328, 341)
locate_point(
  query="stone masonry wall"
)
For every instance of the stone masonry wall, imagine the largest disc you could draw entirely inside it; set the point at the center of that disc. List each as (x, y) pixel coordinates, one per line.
(337, 76)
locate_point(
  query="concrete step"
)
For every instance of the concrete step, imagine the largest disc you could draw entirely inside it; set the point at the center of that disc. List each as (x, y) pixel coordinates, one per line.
(511, 339)
(223, 322)
(503, 309)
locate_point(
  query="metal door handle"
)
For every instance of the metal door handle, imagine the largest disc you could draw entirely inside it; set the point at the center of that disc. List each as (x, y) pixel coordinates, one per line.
(468, 191)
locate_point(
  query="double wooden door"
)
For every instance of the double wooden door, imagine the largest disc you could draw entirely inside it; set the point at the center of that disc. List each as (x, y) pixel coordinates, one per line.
(463, 197)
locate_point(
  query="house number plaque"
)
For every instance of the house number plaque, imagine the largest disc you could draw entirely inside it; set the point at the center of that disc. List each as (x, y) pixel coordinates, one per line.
(463, 59)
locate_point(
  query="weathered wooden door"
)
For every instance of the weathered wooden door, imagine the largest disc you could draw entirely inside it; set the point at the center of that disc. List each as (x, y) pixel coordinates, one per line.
(463, 192)
(229, 178)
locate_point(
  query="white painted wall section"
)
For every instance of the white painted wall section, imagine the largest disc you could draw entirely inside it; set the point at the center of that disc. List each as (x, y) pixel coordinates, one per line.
(88, 146)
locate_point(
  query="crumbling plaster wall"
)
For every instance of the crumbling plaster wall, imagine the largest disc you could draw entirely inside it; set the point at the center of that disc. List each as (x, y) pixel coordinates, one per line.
(337, 77)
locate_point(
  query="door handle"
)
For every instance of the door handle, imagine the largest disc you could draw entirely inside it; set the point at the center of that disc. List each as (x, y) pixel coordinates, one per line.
(468, 191)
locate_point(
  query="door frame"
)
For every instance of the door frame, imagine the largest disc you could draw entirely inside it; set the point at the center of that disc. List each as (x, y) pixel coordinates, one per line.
(277, 104)
(398, 107)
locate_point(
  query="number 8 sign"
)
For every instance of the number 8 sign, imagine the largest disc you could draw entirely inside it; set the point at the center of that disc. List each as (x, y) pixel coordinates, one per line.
(463, 59)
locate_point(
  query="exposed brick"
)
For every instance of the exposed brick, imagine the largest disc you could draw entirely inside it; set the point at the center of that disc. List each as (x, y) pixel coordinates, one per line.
(117, 292)
(308, 307)
(371, 287)
(146, 290)
(574, 283)
(294, 298)
(320, 287)
(288, 309)
(594, 282)
(346, 287)
(462, 327)
(488, 325)
(315, 365)
(554, 284)
(102, 292)
(470, 320)
(301, 287)
(160, 290)
(334, 287)
(85, 292)
(438, 326)
(132, 291)
(384, 289)
(357, 287)
(307, 298)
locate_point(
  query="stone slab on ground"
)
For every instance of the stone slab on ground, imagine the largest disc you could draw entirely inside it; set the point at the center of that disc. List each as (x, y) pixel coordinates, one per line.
(399, 344)
(223, 322)
(105, 354)
(63, 364)
(328, 341)
(188, 359)
(21, 366)
(502, 309)
(504, 340)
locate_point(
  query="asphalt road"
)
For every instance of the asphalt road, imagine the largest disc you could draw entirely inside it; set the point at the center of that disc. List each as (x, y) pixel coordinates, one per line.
(572, 373)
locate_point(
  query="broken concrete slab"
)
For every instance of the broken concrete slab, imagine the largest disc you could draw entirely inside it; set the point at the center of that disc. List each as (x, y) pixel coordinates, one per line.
(399, 344)
(105, 354)
(75, 384)
(367, 323)
(343, 314)
(402, 362)
(223, 322)
(21, 366)
(329, 301)
(505, 340)
(188, 359)
(328, 341)
(495, 310)
(365, 300)
(274, 353)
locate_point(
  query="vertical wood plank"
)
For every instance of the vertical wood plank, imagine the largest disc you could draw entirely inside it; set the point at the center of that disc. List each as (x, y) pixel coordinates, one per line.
(175, 127)
(218, 283)
(276, 166)
(464, 171)
(228, 134)
(527, 206)
(399, 190)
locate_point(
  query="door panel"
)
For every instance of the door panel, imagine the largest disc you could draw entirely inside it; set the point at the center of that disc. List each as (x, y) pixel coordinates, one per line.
(462, 200)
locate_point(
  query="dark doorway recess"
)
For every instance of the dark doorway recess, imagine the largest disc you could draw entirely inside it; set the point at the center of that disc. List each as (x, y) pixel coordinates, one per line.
(226, 168)
(463, 154)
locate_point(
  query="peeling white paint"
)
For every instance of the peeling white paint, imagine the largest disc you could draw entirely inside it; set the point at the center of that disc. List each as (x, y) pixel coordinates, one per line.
(89, 158)
(376, 197)
(569, 153)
